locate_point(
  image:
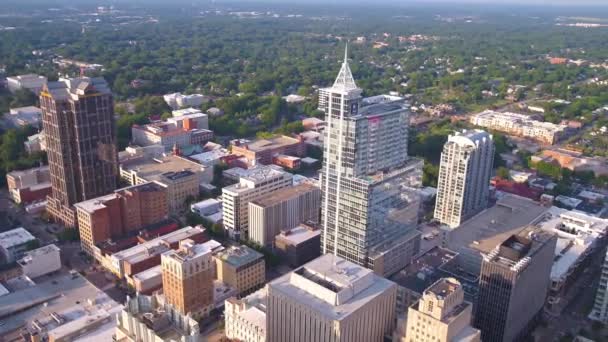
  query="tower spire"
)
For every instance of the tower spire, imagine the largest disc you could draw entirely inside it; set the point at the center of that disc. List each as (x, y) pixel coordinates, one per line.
(345, 80)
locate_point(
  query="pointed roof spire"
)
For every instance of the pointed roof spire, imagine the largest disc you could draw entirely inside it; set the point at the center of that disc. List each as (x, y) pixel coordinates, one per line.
(345, 80)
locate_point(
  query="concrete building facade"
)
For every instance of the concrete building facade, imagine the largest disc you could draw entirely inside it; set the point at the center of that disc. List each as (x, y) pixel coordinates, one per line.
(263, 151)
(441, 315)
(245, 319)
(14, 244)
(41, 261)
(255, 183)
(151, 319)
(298, 245)
(80, 132)
(330, 300)
(519, 125)
(513, 285)
(600, 304)
(283, 209)
(188, 278)
(464, 177)
(241, 268)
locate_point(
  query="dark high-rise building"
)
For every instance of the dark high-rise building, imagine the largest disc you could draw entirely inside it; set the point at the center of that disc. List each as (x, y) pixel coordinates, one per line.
(78, 121)
(513, 285)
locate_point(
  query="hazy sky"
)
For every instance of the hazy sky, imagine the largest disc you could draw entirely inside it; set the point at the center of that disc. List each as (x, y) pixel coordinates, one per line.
(492, 2)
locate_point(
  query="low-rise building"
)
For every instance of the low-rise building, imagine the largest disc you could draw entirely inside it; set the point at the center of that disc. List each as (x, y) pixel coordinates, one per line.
(180, 177)
(178, 100)
(245, 319)
(210, 158)
(442, 315)
(313, 124)
(14, 244)
(519, 125)
(264, 150)
(254, 183)
(152, 319)
(25, 116)
(35, 143)
(242, 268)
(29, 186)
(333, 298)
(573, 161)
(119, 213)
(298, 245)
(148, 281)
(186, 128)
(31, 82)
(143, 256)
(41, 261)
(283, 209)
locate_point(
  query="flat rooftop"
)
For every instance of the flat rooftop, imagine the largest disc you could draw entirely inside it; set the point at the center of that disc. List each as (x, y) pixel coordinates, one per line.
(150, 273)
(257, 173)
(332, 286)
(285, 194)
(66, 88)
(239, 256)
(299, 234)
(68, 296)
(92, 205)
(38, 252)
(15, 237)
(156, 168)
(443, 287)
(261, 145)
(492, 226)
(185, 253)
(156, 246)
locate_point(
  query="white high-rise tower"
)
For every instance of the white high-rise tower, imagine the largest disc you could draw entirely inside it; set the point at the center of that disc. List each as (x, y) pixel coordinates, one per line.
(369, 209)
(464, 177)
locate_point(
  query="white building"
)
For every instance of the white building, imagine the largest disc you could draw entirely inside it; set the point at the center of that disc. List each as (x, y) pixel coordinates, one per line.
(519, 125)
(464, 177)
(197, 118)
(600, 305)
(579, 239)
(14, 244)
(35, 143)
(41, 261)
(31, 82)
(253, 184)
(245, 319)
(177, 100)
(151, 319)
(330, 299)
(210, 158)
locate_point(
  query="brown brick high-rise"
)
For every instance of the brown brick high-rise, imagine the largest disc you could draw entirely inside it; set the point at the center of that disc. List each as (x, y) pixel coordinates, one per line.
(78, 121)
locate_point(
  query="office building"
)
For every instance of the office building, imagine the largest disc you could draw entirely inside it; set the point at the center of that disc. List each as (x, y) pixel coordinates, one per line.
(298, 245)
(600, 304)
(245, 319)
(41, 261)
(188, 278)
(283, 209)
(120, 213)
(186, 127)
(152, 319)
(330, 299)
(580, 241)
(80, 132)
(253, 184)
(30, 185)
(442, 315)
(13, 244)
(464, 177)
(241, 268)
(520, 125)
(367, 176)
(31, 82)
(264, 151)
(24, 116)
(180, 177)
(483, 232)
(513, 285)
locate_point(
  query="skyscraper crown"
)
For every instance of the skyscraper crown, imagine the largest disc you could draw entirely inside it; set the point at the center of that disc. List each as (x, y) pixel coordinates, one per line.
(345, 80)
